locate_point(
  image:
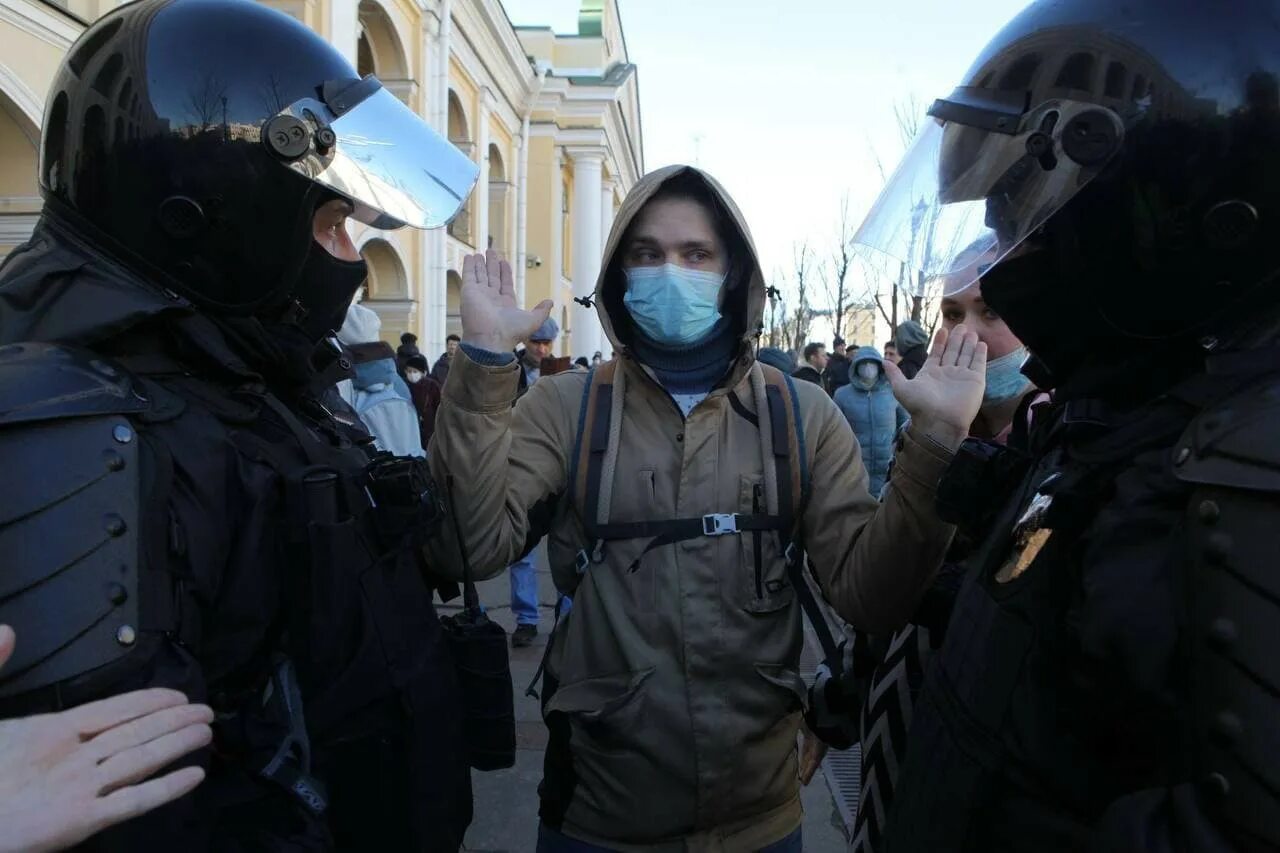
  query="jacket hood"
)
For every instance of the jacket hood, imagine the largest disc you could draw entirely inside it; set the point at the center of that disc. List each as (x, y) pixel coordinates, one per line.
(743, 299)
(864, 354)
(362, 325)
(910, 334)
(371, 373)
(56, 288)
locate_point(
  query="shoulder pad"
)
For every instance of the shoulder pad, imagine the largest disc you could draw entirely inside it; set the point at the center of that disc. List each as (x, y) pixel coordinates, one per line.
(70, 542)
(1235, 443)
(40, 382)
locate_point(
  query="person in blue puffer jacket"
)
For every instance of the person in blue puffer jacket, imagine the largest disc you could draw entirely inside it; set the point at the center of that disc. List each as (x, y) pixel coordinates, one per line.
(871, 409)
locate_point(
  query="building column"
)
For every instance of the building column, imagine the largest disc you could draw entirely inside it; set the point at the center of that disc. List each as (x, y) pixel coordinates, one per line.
(588, 174)
(603, 344)
(482, 157)
(344, 27)
(425, 289)
(555, 257)
(433, 316)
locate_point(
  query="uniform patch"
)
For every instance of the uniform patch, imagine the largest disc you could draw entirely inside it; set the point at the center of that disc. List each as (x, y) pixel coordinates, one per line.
(1029, 538)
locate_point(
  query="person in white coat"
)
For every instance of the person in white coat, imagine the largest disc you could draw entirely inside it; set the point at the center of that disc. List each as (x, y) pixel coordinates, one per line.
(377, 393)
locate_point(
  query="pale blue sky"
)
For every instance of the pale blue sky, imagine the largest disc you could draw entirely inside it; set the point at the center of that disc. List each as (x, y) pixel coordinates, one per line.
(789, 98)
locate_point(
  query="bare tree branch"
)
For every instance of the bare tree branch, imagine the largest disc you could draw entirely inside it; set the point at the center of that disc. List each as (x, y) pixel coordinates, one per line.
(803, 312)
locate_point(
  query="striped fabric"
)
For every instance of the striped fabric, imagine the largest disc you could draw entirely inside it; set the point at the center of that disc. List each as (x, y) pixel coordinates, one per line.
(885, 719)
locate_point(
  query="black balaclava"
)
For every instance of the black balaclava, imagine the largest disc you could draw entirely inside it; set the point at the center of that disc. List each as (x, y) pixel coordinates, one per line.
(326, 286)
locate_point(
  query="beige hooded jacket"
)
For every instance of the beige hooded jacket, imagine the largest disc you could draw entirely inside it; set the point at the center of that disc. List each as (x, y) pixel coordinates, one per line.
(677, 701)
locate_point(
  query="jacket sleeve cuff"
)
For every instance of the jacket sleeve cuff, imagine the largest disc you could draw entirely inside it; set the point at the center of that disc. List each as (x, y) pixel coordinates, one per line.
(485, 357)
(481, 388)
(920, 458)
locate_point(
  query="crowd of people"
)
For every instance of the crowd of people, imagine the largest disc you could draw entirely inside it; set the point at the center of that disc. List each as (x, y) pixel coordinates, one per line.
(233, 509)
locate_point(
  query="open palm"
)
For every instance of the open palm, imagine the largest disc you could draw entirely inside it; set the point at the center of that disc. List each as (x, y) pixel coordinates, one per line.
(491, 319)
(67, 775)
(944, 397)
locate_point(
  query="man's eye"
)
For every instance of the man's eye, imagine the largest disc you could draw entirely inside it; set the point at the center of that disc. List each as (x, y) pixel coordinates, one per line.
(698, 256)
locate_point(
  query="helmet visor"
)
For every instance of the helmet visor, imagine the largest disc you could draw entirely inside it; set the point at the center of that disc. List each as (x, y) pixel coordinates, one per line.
(969, 192)
(393, 167)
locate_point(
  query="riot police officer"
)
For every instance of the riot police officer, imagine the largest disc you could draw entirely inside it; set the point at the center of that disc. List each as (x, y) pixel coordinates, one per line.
(1109, 678)
(181, 508)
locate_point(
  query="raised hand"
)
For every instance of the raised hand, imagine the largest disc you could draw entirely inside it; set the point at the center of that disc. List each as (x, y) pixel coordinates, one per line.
(491, 319)
(944, 397)
(67, 775)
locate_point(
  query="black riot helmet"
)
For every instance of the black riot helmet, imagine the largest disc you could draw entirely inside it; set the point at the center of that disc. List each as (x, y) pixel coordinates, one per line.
(1120, 165)
(193, 140)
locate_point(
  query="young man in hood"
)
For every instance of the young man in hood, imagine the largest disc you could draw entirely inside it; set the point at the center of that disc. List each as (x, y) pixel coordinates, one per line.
(673, 693)
(911, 342)
(867, 402)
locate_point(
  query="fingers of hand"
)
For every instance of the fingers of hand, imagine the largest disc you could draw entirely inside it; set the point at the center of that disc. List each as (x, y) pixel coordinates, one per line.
(148, 728)
(139, 762)
(508, 279)
(134, 800)
(968, 345)
(95, 717)
(940, 339)
(469, 269)
(954, 345)
(896, 377)
(979, 362)
(493, 268)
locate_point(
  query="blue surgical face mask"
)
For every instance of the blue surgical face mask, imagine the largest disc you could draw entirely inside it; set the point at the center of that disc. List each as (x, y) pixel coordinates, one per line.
(671, 304)
(1004, 378)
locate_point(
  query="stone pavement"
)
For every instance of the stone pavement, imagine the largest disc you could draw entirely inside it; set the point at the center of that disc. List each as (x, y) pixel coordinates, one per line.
(506, 801)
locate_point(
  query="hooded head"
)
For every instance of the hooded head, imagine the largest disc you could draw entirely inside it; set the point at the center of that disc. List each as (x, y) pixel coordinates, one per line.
(679, 227)
(777, 358)
(361, 326)
(909, 335)
(866, 356)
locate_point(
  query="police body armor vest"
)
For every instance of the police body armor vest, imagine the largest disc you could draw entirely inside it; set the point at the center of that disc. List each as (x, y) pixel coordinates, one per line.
(999, 754)
(359, 684)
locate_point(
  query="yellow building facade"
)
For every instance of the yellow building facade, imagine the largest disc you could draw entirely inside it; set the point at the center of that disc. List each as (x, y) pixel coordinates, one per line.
(553, 120)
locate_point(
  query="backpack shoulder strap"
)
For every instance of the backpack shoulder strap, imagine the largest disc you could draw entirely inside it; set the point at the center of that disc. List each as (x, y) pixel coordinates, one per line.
(787, 430)
(592, 442)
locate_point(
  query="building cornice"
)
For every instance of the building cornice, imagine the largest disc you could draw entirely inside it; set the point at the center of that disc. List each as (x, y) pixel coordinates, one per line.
(41, 22)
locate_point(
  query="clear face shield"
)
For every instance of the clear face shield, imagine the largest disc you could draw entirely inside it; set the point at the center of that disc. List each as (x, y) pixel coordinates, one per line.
(983, 175)
(360, 141)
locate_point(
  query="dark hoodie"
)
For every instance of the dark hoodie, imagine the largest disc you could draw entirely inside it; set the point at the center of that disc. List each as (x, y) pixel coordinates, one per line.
(913, 347)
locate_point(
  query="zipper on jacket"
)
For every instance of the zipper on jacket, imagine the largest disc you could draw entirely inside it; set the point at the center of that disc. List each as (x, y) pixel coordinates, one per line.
(757, 491)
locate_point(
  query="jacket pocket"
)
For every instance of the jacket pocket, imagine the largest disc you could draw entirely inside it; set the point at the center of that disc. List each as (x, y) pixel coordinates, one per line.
(791, 686)
(763, 585)
(764, 766)
(604, 712)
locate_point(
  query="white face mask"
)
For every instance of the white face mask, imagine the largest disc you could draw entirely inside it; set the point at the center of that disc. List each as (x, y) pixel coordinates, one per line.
(413, 376)
(868, 371)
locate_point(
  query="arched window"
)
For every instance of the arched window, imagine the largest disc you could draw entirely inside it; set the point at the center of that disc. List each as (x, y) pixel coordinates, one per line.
(1021, 73)
(1076, 73)
(1114, 86)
